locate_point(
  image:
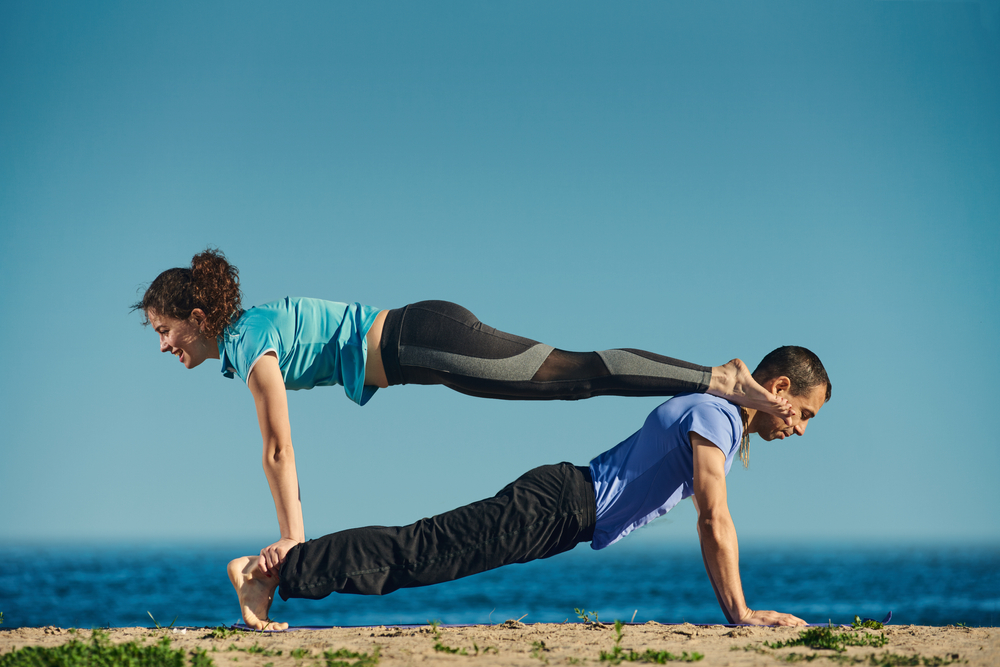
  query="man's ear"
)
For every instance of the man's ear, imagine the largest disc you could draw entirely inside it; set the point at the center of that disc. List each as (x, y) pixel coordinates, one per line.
(779, 384)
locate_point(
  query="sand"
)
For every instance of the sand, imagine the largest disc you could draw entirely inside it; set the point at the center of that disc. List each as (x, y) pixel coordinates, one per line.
(513, 643)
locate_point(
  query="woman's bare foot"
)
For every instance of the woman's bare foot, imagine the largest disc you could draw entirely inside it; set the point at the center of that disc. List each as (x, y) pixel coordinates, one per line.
(734, 382)
(255, 592)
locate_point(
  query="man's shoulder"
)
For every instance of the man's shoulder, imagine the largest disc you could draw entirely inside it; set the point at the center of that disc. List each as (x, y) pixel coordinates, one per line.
(697, 412)
(703, 404)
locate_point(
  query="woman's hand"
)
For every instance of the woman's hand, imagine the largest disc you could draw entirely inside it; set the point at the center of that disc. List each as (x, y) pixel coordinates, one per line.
(273, 556)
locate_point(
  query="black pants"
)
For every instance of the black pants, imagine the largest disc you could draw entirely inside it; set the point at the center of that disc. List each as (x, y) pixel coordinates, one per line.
(437, 342)
(544, 512)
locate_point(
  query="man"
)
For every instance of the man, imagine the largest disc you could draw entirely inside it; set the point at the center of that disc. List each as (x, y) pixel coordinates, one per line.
(685, 448)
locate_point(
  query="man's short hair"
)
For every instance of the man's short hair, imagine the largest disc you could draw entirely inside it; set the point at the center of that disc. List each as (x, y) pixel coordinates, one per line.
(798, 364)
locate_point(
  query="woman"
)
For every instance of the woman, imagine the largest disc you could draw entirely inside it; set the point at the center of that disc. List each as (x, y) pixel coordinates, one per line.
(303, 343)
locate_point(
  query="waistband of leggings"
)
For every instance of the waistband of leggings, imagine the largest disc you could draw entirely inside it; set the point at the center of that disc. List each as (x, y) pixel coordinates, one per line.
(391, 329)
(590, 519)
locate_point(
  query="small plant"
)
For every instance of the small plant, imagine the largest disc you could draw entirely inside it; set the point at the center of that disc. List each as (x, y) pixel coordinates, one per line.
(100, 651)
(256, 649)
(441, 647)
(875, 660)
(344, 658)
(867, 623)
(222, 632)
(585, 616)
(1, 618)
(199, 658)
(160, 627)
(617, 655)
(299, 653)
(537, 649)
(825, 638)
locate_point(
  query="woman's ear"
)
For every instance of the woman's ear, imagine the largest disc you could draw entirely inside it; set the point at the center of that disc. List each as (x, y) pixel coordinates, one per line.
(198, 317)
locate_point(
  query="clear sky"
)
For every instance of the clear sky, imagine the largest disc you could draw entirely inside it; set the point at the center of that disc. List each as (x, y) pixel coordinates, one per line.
(703, 180)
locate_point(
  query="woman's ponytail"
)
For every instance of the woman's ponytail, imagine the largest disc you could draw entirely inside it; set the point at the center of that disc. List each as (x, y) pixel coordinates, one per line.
(216, 286)
(211, 284)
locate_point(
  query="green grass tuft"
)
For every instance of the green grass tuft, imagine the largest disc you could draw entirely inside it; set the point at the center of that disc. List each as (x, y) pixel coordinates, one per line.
(617, 655)
(99, 651)
(877, 660)
(867, 623)
(256, 649)
(826, 638)
(160, 627)
(222, 632)
(345, 658)
(538, 650)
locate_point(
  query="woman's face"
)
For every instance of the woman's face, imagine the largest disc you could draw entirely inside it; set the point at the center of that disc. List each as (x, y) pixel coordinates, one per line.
(184, 338)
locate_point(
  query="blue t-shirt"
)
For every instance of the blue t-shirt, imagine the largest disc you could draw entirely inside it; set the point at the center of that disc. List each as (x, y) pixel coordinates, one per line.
(643, 477)
(318, 343)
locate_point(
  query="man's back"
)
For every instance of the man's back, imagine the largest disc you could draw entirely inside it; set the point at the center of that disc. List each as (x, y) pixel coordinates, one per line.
(651, 471)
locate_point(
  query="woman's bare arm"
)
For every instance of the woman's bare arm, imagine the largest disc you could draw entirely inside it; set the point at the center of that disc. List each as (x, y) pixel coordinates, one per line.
(268, 389)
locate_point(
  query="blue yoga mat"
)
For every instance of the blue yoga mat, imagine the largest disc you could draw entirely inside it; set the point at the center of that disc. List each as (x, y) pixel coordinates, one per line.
(243, 626)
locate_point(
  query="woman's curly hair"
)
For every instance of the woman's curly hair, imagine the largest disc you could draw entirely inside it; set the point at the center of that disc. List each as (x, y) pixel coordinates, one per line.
(211, 284)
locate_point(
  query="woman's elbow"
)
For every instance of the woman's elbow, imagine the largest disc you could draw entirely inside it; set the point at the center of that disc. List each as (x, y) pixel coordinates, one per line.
(278, 454)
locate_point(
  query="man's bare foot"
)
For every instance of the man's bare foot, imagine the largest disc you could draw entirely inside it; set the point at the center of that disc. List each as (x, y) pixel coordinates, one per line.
(734, 382)
(255, 591)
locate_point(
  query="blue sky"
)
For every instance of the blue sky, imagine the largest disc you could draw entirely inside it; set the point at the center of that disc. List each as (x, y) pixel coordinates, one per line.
(704, 180)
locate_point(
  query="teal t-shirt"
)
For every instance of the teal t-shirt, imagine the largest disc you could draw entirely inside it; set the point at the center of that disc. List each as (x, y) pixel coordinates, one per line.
(318, 343)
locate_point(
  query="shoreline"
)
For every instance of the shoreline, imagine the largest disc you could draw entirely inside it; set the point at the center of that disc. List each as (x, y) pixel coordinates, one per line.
(515, 643)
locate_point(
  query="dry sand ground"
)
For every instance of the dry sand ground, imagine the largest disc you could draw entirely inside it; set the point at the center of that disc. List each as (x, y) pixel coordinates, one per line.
(514, 643)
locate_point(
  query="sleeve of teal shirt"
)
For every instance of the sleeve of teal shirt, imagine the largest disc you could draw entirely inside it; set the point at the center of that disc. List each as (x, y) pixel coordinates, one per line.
(255, 338)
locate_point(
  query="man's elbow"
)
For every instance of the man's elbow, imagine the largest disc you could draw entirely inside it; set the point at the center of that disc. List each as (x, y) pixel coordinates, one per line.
(714, 525)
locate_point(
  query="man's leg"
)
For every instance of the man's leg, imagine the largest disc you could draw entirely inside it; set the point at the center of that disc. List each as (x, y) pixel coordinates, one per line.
(544, 512)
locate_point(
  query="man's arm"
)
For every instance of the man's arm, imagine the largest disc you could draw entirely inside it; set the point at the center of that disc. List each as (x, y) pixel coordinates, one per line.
(717, 534)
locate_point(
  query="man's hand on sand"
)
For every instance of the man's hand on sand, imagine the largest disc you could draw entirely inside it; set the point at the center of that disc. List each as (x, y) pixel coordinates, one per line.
(761, 617)
(271, 557)
(255, 592)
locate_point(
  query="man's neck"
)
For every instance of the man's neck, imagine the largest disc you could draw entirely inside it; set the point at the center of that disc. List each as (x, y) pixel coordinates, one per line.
(748, 414)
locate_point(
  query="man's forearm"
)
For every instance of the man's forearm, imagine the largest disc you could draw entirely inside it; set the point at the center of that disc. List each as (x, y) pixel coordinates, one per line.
(721, 554)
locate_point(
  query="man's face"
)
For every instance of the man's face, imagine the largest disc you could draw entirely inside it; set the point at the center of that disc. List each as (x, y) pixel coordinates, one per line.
(806, 406)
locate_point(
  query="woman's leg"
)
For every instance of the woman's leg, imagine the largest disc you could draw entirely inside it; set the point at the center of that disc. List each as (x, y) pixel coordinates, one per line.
(544, 512)
(437, 342)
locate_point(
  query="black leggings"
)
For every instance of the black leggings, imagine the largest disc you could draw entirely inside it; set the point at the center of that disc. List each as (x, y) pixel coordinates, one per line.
(544, 512)
(437, 342)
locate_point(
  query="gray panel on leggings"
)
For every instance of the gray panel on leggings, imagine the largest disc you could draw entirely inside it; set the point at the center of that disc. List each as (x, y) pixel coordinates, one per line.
(620, 362)
(519, 368)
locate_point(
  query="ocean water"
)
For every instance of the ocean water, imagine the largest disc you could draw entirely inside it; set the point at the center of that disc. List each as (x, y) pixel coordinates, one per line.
(85, 587)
